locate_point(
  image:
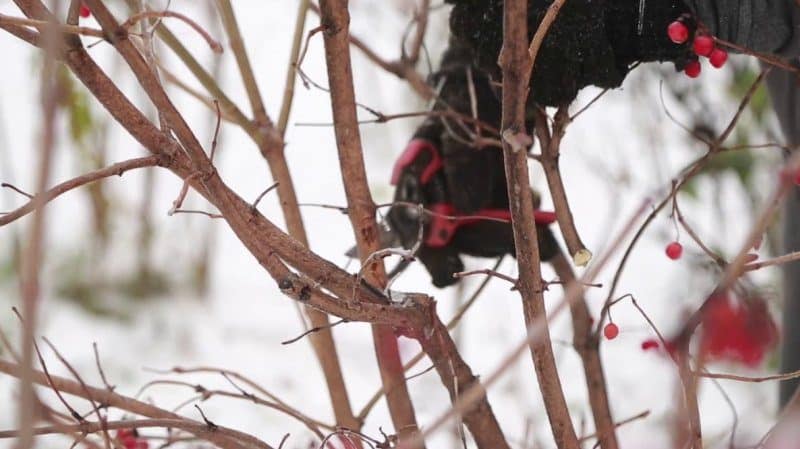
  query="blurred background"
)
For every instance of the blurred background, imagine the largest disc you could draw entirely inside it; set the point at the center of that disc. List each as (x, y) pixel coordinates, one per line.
(156, 291)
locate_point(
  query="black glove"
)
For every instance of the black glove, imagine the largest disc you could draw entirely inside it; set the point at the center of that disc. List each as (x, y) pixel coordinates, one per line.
(441, 170)
(591, 42)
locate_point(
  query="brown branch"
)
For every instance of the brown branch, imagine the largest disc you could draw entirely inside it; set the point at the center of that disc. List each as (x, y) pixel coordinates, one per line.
(402, 69)
(223, 437)
(33, 254)
(421, 19)
(454, 321)
(751, 379)
(539, 36)
(272, 149)
(116, 169)
(587, 344)
(17, 189)
(535, 331)
(144, 15)
(270, 242)
(515, 62)
(780, 260)
(41, 25)
(336, 20)
(291, 71)
(551, 149)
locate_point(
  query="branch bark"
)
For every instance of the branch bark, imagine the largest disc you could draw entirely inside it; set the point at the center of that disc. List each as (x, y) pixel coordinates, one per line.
(515, 62)
(335, 19)
(272, 149)
(116, 169)
(223, 437)
(587, 344)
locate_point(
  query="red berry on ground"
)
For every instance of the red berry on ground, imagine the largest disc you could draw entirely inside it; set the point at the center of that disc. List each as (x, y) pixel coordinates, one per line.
(674, 250)
(678, 32)
(84, 11)
(718, 58)
(703, 45)
(649, 344)
(611, 331)
(692, 69)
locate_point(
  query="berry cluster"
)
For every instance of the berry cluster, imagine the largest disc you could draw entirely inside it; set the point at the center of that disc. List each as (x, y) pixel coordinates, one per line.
(733, 330)
(703, 45)
(130, 439)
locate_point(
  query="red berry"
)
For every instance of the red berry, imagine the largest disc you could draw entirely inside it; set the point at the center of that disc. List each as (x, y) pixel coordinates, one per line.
(84, 11)
(718, 57)
(797, 177)
(692, 69)
(703, 45)
(674, 250)
(649, 344)
(678, 32)
(611, 331)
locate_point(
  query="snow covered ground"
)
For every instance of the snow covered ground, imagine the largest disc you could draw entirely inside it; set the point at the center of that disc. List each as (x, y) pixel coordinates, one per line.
(241, 326)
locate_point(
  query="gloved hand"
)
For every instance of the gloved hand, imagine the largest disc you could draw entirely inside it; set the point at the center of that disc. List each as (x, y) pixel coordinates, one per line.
(441, 170)
(591, 42)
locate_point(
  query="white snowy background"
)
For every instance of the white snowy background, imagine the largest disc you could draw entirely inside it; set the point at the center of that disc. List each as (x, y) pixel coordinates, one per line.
(621, 151)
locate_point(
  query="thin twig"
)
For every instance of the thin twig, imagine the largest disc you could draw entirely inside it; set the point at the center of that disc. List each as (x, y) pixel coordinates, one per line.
(116, 169)
(128, 24)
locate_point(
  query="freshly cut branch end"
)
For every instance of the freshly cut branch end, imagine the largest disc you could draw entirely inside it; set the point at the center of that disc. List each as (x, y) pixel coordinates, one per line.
(582, 257)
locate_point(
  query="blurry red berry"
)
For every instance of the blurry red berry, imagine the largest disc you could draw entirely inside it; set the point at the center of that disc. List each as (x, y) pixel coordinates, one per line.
(84, 11)
(142, 444)
(692, 69)
(125, 433)
(674, 250)
(678, 32)
(718, 57)
(649, 344)
(703, 45)
(739, 331)
(797, 177)
(611, 331)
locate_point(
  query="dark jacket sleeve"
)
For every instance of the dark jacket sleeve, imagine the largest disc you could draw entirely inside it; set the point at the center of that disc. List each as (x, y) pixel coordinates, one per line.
(785, 95)
(761, 25)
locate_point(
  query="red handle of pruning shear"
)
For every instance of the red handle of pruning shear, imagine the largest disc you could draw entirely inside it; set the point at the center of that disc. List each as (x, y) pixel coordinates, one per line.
(446, 221)
(410, 154)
